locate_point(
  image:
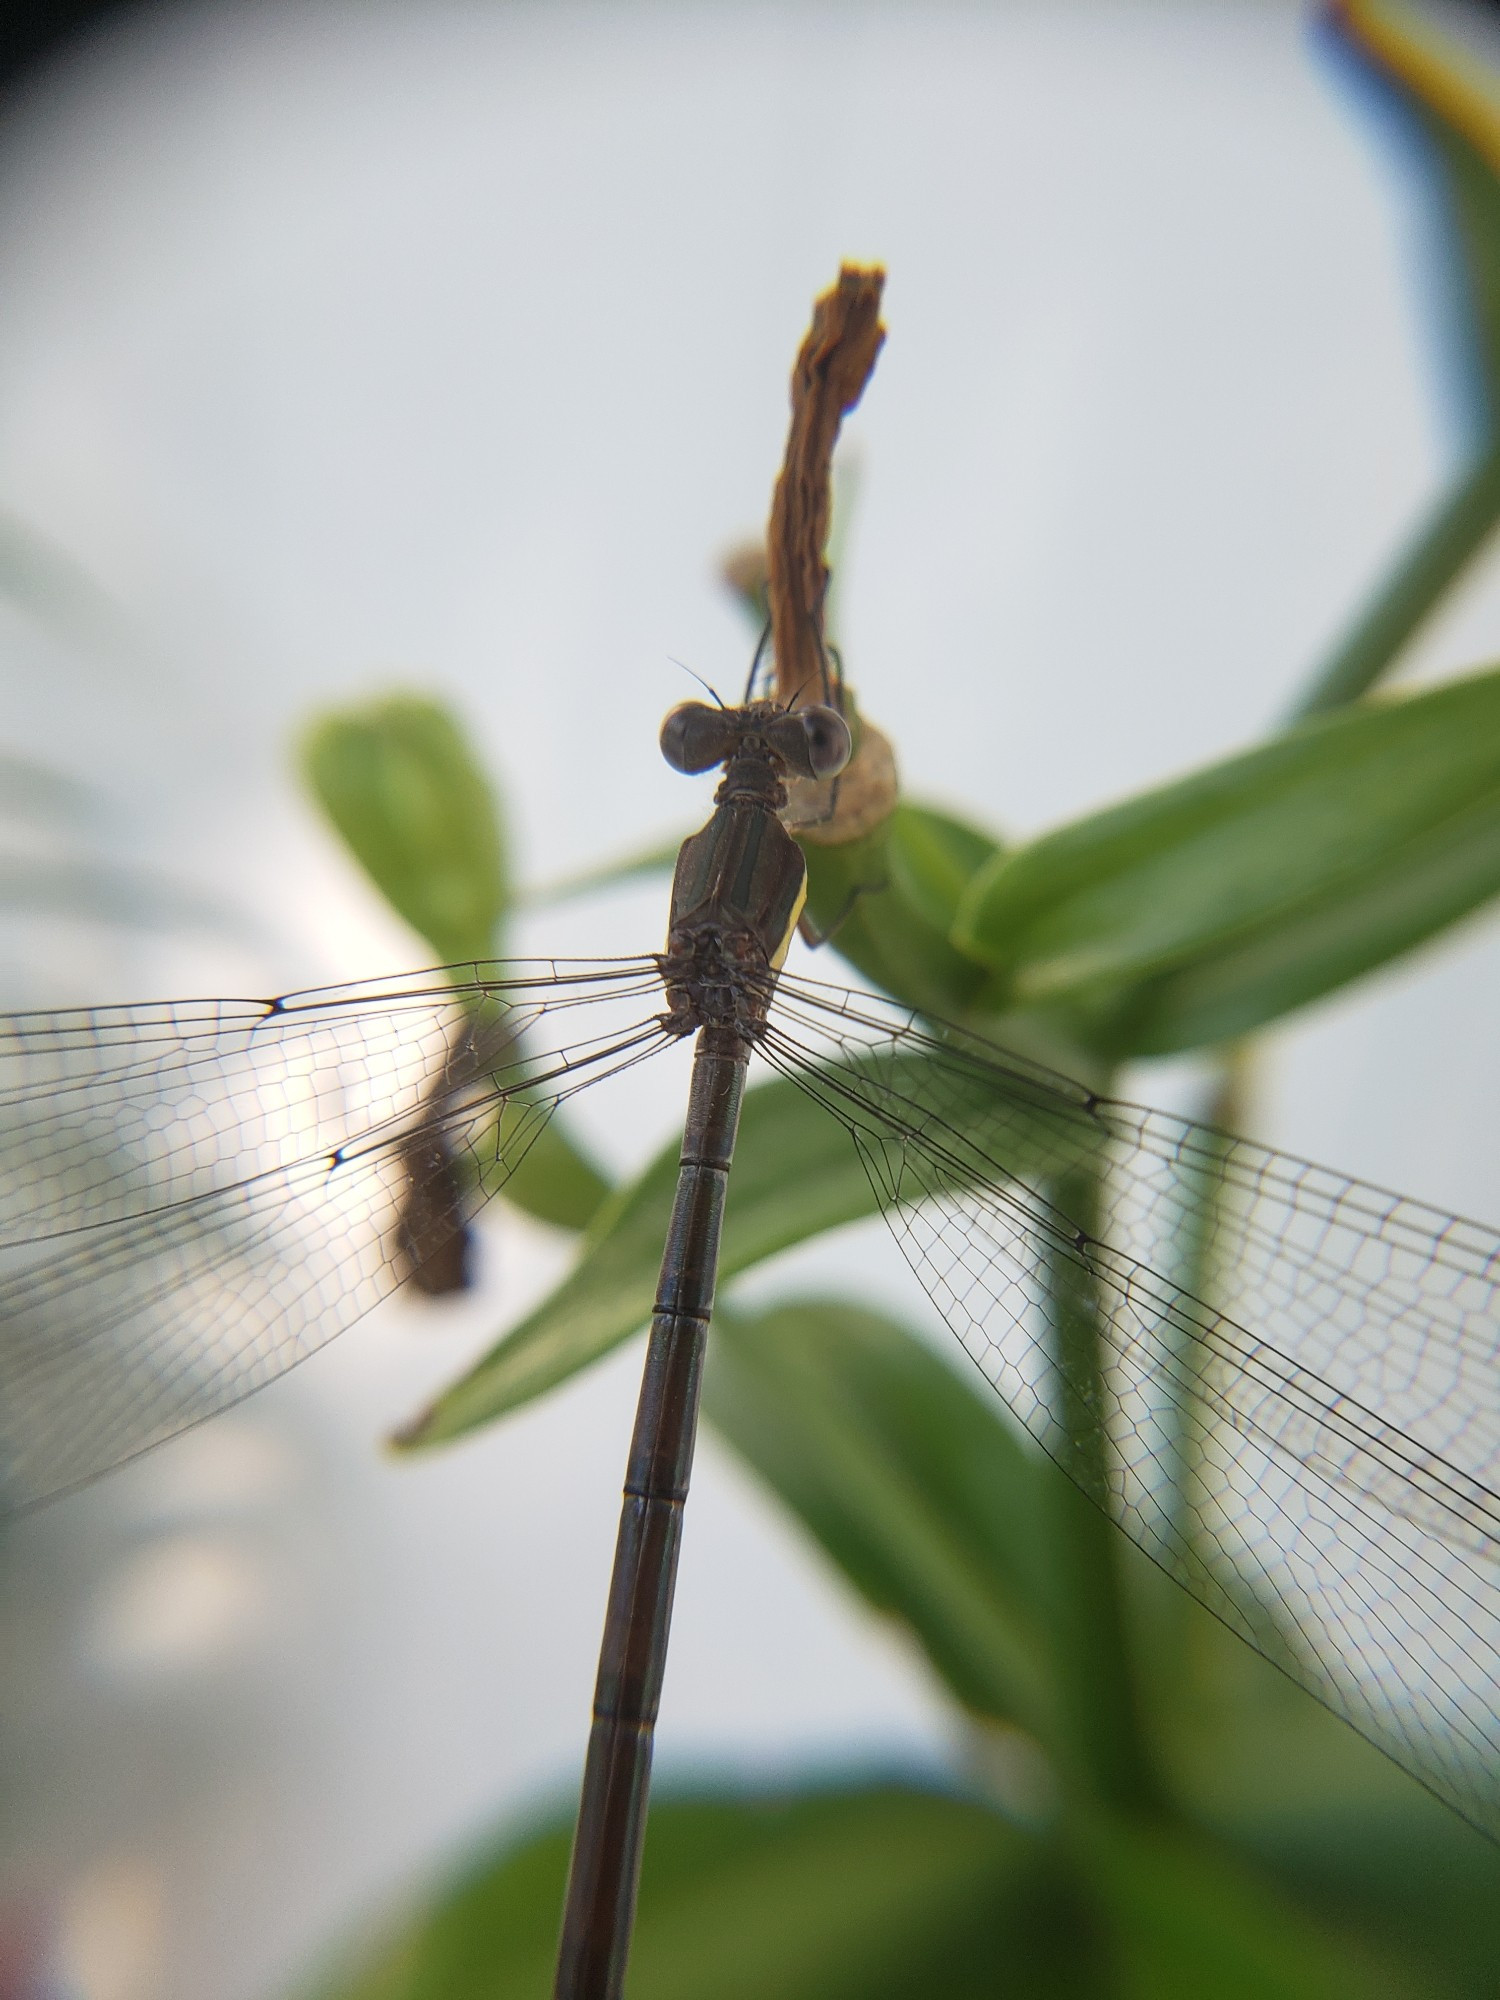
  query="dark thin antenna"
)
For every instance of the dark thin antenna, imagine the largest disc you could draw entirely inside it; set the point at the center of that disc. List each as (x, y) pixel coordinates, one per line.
(699, 679)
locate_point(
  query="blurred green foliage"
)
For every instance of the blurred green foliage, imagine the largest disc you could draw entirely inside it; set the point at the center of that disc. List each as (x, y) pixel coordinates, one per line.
(1149, 1809)
(400, 784)
(1205, 909)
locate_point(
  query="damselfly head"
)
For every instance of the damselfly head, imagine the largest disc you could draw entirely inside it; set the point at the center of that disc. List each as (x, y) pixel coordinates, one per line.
(809, 742)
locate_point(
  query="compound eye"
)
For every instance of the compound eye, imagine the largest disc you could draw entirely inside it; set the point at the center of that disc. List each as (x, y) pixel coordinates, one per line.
(829, 744)
(695, 737)
(812, 742)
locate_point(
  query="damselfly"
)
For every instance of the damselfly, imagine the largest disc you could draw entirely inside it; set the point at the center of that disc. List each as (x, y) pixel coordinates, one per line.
(1284, 1385)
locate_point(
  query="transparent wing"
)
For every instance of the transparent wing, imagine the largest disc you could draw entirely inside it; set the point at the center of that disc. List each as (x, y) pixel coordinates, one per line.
(194, 1197)
(1283, 1384)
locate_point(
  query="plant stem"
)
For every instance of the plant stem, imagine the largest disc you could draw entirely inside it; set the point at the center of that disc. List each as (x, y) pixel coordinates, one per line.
(1094, 1663)
(1452, 536)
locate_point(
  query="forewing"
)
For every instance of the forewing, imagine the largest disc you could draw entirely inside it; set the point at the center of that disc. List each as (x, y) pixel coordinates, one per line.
(195, 1197)
(1287, 1388)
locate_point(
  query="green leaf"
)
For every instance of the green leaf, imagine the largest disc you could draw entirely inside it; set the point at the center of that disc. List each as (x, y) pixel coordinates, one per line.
(796, 1174)
(556, 1181)
(880, 1892)
(1424, 1886)
(1218, 903)
(1190, 1920)
(398, 780)
(907, 1476)
(1455, 532)
(875, 1892)
(887, 903)
(932, 858)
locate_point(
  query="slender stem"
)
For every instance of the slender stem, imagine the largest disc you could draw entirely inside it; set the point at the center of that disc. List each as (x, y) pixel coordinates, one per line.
(1094, 1664)
(605, 1867)
(1432, 563)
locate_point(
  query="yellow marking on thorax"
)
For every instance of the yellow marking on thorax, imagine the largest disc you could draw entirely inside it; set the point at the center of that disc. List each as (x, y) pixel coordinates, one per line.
(785, 946)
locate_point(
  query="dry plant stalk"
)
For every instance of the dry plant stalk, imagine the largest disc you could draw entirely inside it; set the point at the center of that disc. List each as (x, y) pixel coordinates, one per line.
(835, 363)
(832, 369)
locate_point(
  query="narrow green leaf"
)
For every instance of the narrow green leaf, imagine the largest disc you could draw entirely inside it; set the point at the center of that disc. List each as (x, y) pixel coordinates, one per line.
(908, 1477)
(796, 1174)
(887, 904)
(1444, 545)
(658, 860)
(932, 859)
(875, 1892)
(1215, 904)
(400, 783)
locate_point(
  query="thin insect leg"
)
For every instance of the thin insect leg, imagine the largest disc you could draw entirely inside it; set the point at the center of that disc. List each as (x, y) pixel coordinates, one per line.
(815, 939)
(757, 659)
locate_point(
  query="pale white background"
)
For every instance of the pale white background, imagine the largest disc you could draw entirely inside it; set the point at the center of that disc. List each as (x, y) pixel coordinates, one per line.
(355, 346)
